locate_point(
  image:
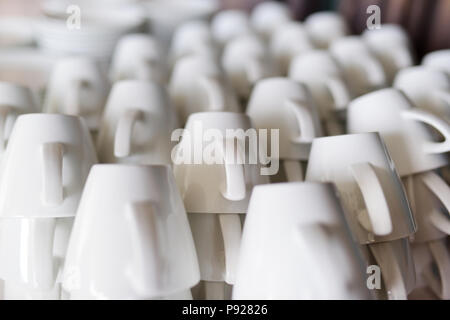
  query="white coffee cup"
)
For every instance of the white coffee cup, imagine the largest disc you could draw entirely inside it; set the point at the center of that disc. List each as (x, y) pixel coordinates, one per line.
(325, 27)
(229, 24)
(439, 60)
(141, 57)
(322, 75)
(429, 197)
(370, 189)
(283, 104)
(46, 162)
(14, 101)
(245, 62)
(402, 128)
(136, 124)
(77, 87)
(198, 84)
(289, 40)
(362, 70)
(192, 38)
(427, 88)
(145, 252)
(390, 44)
(296, 245)
(267, 15)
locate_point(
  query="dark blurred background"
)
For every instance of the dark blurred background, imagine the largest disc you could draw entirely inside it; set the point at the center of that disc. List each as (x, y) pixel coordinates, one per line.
(427, 21)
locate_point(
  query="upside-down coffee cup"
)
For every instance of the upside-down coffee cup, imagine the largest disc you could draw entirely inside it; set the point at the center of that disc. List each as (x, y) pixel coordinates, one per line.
(296, 245)
(372, 194)
(362, 70)
(403, 129)
(215, 171)
(391, 45)
(46, 162)
(325, 27)
(267, 16)
(229, 24)
(322, 75)
(289, 40)
(139, 56)
(77, 87)
(131, 238)
(427, 88)
(136, 124)
(14, 101)
(197, 84)
(245, 62)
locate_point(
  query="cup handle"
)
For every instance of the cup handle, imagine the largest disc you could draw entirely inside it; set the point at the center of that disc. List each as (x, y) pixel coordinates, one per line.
(440, 125)
(390, 270)
(73, 104)
(254, 70)
(230, 225)
(235, 187)
(305, 121)
(377, 212)
(142, 222)
(4, 113)
(441, 190)
(374, 72)
(41, 271)
(441, 287)
(124, 130)
(214, 93)
(339, 93)
(52, 162)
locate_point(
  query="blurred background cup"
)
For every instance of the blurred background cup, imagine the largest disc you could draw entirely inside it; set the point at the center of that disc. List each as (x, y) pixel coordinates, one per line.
(14, 101)
(325, 27)
(139, 56)
(439, 59)
(266, 16)
(229, 24)
(137, 124)
(289, 40)
(362, 70)
(245, 62)
(296, 245)
(77, 87)
(322, 75)
(198, 84)
(403, 129)
(154, 255)
(390, 44)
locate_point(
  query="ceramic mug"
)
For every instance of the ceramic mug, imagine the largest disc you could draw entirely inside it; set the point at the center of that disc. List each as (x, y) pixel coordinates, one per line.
(197, 84)
(139, 56)
(192, 38)
(77, 87)
(371, 191)
(14, 101)
(362, 70)
(245, 62)
(289, 40)
(296, 245)
(391, 45)
(283, 104)
(325, 27)
(322, 75)
(136, 124)
(402, 128)
(47, 161)
(439, 60)
(154, 255)
(229, 24)
(267, 15)
(427, 88)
